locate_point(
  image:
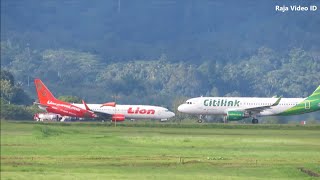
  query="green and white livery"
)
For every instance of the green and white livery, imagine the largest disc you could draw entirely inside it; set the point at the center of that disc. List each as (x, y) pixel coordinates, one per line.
(238, 108)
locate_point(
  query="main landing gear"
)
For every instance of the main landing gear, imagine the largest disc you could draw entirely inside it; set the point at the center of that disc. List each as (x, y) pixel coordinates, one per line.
(255, 121)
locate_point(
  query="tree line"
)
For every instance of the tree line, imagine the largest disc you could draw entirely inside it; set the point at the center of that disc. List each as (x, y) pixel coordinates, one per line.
(157, 82)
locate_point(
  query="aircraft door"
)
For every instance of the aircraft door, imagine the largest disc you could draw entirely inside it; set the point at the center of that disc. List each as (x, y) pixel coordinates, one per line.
(307, 105)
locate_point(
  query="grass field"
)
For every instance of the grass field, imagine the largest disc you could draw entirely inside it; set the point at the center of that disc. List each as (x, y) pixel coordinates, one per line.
(101, 151)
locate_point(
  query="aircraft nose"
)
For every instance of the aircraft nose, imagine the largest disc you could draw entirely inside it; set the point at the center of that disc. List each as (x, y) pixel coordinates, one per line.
(181, 108)
(171, 114)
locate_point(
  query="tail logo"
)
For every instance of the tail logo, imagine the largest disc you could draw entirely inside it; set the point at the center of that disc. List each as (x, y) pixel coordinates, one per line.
(40, 87)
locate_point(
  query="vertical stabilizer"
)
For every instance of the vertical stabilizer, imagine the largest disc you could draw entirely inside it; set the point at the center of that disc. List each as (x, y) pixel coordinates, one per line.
(44, 94)
(315, 94)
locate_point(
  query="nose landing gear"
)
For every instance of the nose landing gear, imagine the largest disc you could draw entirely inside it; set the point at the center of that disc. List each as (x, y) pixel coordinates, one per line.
(200, 120)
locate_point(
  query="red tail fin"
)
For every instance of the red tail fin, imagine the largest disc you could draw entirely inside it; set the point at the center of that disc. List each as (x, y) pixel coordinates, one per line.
(44, 93)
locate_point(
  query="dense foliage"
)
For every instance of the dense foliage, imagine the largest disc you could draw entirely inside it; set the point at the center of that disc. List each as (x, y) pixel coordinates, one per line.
(12, 93)
(14, 99)
(122, 30)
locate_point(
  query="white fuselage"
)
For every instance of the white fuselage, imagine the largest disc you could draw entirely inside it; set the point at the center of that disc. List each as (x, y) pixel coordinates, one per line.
(221, 105)
(132, 111)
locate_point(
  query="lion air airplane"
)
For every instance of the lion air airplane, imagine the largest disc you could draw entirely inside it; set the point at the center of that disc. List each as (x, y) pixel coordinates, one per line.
(111, 109)
(49, 103)
(238, 108)
(121, 112)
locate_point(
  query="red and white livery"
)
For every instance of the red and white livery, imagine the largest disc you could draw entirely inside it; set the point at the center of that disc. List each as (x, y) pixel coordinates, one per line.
(115, 111)
(120, 112)
(52, 105)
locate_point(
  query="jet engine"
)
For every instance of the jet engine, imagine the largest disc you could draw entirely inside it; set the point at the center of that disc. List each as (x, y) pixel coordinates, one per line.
(236, 115)
(118, 117)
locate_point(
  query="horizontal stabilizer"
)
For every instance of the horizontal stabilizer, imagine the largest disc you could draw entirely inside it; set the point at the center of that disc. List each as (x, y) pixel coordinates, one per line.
(39, 104)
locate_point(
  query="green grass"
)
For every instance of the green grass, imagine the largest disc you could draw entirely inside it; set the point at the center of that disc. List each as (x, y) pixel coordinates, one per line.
(158, 151)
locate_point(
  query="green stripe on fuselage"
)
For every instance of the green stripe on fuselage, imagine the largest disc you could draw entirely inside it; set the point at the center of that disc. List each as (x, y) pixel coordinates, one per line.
(310, 104)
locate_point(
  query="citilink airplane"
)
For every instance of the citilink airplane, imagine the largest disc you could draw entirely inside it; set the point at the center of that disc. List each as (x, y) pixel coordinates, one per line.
(238, 108)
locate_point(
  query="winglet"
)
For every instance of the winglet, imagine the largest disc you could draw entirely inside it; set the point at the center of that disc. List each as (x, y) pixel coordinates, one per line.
(85, 105)
(277, 102)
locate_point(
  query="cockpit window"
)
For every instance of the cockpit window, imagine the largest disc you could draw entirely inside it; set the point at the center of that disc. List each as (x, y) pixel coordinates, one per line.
(188, 102)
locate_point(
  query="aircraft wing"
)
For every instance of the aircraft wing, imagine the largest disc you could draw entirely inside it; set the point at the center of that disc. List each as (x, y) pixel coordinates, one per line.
(99, 113)
(41, 105)
(102, 114)
(261, 108)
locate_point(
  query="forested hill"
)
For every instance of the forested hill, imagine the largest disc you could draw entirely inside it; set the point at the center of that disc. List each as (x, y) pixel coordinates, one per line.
(194, 31)
(161, 51)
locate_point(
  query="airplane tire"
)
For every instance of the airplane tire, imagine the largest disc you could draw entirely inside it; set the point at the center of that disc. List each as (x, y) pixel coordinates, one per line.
(200, 121)
(255, 121)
